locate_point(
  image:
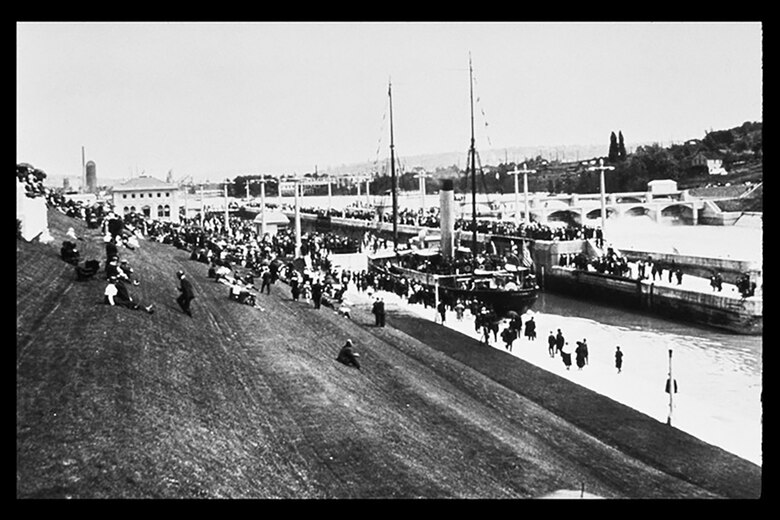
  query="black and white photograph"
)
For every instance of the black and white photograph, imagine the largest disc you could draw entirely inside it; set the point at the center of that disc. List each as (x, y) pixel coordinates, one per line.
(322, 260)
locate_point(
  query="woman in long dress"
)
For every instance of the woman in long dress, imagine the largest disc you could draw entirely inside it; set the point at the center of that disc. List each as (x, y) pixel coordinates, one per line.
(566, 355)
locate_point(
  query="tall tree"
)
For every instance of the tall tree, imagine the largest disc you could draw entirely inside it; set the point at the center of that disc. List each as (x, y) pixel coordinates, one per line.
(613, 148)
(621, 152)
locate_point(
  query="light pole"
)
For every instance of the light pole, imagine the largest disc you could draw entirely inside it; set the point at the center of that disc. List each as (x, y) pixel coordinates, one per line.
(330, 195)
(202, 207)
(422, 176)
(515, 173)
(602, 169)
(262, 208)
(297, 221)
(227, 215)
(186, 206)
(525, 171)
(671, 387)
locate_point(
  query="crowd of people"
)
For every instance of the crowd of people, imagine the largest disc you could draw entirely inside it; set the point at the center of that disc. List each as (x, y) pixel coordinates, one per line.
(237, 256)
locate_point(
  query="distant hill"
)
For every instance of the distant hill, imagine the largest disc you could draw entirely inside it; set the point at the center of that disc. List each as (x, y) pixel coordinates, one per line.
(495, 156)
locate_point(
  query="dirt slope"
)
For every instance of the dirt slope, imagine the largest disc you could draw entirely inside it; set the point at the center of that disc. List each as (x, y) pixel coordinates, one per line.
(242, 403)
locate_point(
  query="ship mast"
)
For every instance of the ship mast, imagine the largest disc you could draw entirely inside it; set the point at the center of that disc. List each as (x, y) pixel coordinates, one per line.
(472, 154)
(392, 172)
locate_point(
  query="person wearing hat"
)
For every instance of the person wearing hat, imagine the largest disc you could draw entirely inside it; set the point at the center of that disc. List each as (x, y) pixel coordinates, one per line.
(126, 272)
(348, 356)
(116, 294)
(187, 294)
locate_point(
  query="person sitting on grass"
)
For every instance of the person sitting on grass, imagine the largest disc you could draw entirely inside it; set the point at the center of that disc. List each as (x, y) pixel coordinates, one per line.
(69, 253)
(126, 272)
(88, 271)
(116, 294)
(348, 356)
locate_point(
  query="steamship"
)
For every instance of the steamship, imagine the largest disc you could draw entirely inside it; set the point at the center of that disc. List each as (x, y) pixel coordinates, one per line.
(453, 274)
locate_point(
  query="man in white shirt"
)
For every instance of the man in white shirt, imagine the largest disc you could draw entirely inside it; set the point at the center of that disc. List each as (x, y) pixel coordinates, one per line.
(115, 297)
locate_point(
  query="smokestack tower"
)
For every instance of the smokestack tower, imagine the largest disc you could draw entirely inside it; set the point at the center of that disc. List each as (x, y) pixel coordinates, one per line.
(447, 205)
(83, 172)
(91, 177)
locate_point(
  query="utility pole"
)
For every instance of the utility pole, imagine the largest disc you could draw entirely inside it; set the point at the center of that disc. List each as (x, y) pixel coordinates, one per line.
(525, 171)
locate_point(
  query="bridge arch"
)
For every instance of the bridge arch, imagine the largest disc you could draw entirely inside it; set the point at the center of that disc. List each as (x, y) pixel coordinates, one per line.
(638, 211)
(596, 213)
(565, 215)
(682, 212)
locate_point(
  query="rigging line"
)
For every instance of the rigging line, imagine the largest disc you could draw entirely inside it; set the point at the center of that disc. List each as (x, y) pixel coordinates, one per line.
(482, 110)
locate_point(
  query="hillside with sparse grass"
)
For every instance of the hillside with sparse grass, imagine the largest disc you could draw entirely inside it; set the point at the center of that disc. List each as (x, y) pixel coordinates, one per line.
(239, 402)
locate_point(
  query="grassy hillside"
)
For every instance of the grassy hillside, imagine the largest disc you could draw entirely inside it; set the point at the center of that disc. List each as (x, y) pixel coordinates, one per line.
(239, 402)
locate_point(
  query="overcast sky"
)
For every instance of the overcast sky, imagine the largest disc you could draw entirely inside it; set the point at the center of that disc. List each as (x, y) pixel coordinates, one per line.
(216, 100)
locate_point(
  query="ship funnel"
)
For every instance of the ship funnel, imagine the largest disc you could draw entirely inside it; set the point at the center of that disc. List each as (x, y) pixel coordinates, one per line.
(447, 218)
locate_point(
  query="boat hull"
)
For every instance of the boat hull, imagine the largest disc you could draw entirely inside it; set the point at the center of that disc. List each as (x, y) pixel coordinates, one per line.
(500, 300)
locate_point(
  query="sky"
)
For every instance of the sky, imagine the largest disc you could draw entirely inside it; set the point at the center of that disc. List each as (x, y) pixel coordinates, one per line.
(217, 100)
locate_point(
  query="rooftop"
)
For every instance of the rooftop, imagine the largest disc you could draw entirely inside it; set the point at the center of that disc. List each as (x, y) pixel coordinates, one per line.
(145, 183)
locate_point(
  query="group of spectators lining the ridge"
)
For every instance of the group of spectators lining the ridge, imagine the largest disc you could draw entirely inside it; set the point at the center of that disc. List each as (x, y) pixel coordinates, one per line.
(430, 218)
(535, 230)
(32, 178)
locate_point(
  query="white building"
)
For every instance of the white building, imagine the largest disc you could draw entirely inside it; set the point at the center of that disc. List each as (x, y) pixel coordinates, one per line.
(150, 197)
(662, 187)
(274, 221)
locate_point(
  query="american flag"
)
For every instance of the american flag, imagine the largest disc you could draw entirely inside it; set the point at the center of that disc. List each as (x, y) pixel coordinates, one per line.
(526, 261)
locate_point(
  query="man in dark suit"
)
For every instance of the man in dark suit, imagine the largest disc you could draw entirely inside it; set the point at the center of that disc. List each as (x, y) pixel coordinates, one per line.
(187, 294)
(316, 293)
(380, 312)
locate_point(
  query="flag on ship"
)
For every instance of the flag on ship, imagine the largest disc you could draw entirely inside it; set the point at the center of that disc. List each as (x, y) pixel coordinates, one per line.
(526, 260)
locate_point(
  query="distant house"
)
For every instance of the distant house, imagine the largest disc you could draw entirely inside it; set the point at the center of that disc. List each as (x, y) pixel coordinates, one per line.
(714, 166)
(150, 197)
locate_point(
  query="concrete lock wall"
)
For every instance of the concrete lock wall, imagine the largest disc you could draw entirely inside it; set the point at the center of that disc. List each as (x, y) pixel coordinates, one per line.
(700, 266)
(744, 316)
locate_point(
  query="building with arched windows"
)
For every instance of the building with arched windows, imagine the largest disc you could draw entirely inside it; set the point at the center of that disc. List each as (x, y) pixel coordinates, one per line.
(147, 196)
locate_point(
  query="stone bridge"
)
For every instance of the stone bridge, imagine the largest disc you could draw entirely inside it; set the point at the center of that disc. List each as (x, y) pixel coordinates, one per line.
(578, 207)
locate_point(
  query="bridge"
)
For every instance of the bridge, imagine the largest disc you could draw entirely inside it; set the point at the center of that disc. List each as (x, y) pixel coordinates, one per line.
(579, 207)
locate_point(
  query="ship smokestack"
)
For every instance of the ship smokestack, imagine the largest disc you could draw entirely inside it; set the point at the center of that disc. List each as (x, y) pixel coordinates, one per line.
(447, 219)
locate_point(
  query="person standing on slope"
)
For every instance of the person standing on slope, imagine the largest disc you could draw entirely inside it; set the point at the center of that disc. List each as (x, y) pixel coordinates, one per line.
(187, 294)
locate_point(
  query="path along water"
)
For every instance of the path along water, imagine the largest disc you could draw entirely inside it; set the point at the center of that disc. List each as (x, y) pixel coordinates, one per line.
(719, 375)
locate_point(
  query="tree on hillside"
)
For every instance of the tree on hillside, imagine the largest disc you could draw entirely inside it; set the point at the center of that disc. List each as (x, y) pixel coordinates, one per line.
(621, 151)
(612, 157)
